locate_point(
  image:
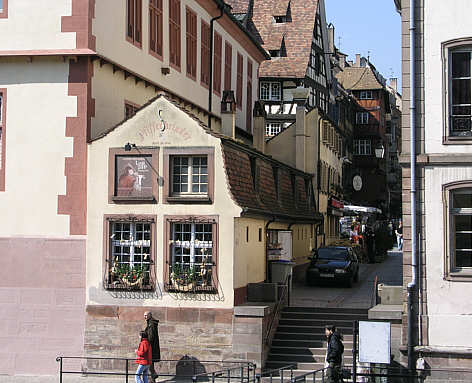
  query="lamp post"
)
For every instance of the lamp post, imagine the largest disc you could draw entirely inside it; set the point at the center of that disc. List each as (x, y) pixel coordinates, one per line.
(379, 150)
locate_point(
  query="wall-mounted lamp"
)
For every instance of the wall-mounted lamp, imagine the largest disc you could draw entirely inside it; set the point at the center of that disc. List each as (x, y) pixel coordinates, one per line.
(129, 146)
(165, 70)
(379, 150)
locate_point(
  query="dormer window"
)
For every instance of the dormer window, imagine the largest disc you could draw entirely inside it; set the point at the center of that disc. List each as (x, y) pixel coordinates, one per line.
(270, 91)
(280, 19)
(274, 52)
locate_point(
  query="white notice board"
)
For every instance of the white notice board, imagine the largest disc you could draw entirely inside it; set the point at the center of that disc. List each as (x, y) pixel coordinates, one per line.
(374, 342)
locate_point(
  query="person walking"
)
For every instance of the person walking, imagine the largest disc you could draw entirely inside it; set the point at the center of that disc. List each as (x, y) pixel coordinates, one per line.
(399, 234)
(334, 355)
(144, 358)
(153, 337)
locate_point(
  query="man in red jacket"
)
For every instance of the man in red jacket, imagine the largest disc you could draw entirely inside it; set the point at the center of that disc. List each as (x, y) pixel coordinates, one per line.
(144, 359)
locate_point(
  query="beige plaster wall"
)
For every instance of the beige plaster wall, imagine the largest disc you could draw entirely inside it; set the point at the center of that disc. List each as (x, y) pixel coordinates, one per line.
(111, 43)
(36, 146)
(33, 27)
(303, 242)
(98, 206)
(282, 147)
(110, 90)
(443, 21)
(447, 305)
(249, 256)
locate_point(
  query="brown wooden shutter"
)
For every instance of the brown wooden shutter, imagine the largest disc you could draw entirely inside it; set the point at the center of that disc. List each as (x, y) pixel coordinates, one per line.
(228, 64)
(239, 82)
(249, 97)
(205, 53)
(217, 63)
(191, 42)
(130, 14)
(138, 26)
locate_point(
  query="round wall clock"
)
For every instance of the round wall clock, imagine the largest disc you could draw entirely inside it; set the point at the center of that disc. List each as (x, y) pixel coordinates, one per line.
(357, 182)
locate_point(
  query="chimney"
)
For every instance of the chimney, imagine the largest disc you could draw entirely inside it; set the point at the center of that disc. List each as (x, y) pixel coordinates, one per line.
(394, 83)
(358, 60)
(228, 114)
(300, 95)
(331, 38)
(258, 135)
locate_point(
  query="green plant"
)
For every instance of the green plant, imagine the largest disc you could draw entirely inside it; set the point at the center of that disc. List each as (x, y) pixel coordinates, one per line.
(131, 274)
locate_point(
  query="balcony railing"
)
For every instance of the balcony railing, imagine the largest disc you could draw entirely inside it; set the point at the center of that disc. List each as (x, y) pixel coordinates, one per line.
(193, 278)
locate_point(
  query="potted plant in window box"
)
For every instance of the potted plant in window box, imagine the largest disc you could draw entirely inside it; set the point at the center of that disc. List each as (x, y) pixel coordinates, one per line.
(183, 279)
(130, 277)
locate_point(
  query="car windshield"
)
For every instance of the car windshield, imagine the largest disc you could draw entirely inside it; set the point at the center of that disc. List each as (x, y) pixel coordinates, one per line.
(333, 253)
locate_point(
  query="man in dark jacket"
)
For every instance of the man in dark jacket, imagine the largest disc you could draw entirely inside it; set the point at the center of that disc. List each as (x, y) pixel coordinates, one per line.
(153, 337)
(334, 354)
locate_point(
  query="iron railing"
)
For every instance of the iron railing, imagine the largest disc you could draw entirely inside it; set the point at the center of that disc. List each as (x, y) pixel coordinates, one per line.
(193, 278)
(276, 373)
(280, 304)
(187, 369)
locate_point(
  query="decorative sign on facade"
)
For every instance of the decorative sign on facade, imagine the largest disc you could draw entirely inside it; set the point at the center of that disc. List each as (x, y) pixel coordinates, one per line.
(161, 132)
(133, 176)
(336, 203)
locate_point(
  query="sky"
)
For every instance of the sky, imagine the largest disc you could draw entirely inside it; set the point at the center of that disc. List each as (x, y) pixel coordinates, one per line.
(363, 26)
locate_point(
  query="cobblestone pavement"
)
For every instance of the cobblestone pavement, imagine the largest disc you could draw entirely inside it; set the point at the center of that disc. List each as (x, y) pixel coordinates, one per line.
(388, 272)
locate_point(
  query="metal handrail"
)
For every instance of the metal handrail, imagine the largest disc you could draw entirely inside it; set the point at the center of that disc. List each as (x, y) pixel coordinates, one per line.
(241, 365)
(303, 377)
(280, 371)
(277, 309)
(219, 374)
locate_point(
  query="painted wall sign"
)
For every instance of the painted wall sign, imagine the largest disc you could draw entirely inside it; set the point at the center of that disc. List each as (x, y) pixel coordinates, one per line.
(162, 132)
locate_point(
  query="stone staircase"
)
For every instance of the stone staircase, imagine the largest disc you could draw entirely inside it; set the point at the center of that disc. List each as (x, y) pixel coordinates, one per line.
(300, 339)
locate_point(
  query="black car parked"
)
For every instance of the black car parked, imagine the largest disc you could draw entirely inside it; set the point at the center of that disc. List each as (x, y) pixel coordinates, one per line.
(338, 264)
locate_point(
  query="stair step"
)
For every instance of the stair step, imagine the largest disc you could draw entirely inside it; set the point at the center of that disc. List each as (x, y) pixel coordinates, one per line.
(317, 323)
(309, 366)
(312, 329)
(324, 315)
(302, 351)
(329, 310)
(298, 358)
(306, 343)
(287, 333)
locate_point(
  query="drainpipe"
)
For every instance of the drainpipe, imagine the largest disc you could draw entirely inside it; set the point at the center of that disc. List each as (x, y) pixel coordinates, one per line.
(210, 64)
(412, 285)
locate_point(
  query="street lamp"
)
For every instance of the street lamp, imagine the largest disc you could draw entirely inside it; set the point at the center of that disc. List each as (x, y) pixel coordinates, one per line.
(379, 150)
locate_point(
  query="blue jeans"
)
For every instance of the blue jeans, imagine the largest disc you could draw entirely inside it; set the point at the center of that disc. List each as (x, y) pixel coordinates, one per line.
(399, 242)
(142, 370)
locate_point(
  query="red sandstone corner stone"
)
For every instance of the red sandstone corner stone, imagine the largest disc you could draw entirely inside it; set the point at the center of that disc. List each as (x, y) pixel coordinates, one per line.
(102, 311)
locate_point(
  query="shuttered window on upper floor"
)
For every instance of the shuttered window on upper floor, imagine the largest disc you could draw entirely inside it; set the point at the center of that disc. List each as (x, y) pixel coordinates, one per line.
(205, 55)
(191, 43)
(217, 61)
(228, 65)
(249, 97)
(174, 33)
(155, 27)
(239, 81)
(134, 22)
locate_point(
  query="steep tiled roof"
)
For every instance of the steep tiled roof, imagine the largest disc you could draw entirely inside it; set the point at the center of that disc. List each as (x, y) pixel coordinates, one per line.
(238, 6)
(359, 78)
(262, 197)
(298, 35)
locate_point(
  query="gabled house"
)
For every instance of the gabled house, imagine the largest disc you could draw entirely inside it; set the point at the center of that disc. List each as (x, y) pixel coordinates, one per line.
(294, 33)
(370, 144)
(191, 213)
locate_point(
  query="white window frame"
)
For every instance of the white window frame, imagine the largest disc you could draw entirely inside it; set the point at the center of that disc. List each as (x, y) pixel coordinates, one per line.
(459, 133)
(362, 118)
(362, 147)
(273, 128)
(452, 213)
(193, 245)
(190, 174)
(270, 93)
(366, 95)
(116, 259)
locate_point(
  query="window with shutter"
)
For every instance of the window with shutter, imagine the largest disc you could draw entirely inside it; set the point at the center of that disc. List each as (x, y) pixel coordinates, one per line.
(228, 65)
(174, 33)
(217, 60)
(205, 55)
(155, 28)
(134, 22)
(239, 81)
(191, 43)
(249, 97)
